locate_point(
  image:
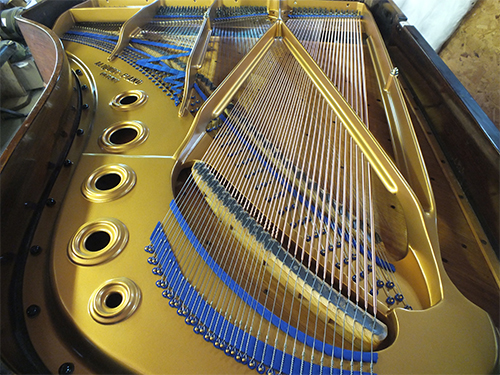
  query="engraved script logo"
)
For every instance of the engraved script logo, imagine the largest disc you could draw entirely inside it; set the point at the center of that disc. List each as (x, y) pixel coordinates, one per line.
(114, 74)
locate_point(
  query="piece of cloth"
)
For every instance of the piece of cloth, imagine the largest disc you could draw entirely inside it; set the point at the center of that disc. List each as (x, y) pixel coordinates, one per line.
(436, 20)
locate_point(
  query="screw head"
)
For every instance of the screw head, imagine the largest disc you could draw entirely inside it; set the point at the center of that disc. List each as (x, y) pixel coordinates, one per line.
(33, 310)
(78, 72)
(85, 106)
(68, 163)
(35, 250)
(50, 202)
(84, 87)
(80, 132)
(66, 368)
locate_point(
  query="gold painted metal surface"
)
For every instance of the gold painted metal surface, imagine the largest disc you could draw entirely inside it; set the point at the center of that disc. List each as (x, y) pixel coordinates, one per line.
(131, 25)
(109, 182)
(129, 100)
(98, 241)
(115, 300)
(105, 294)
(122, 136)
(197, 55)
(106, 14)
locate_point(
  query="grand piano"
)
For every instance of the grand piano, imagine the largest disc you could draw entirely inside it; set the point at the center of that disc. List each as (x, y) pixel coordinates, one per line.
(230, 186)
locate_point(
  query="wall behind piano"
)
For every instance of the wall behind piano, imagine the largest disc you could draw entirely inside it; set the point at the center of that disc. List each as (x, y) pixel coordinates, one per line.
(466, 32)
(473, 54)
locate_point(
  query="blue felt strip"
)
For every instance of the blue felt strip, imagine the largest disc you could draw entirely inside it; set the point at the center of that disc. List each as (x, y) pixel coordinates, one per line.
(204, 97)
(239, 339)
(258, 307)
(325, 16)
(93, 35)
(241, 16)
(157, 44)
(200, 93)
(158, 64)
(175, 77)
(178, 16)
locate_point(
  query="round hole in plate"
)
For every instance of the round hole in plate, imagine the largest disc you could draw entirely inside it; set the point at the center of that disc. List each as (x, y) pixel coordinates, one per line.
(97, 241)
(129, 99)
(108, 181)
(123, 135)
(113, 300)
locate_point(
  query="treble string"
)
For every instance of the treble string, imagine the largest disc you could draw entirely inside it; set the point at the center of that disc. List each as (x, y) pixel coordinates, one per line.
(357, 99)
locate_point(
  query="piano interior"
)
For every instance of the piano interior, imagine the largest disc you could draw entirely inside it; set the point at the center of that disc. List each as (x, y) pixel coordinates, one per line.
(237, 186)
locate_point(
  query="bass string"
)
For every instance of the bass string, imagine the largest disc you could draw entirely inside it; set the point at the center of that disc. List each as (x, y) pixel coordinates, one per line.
(363, 111)
(315, 168)
(351, 205)
(209, 161)
(284, 172)
(324, 107)
(344, 89)
(341, 152)
(328, 137)
(360, 201)
(278, 125)
(327, 67)
(367, 193)
(218, 169)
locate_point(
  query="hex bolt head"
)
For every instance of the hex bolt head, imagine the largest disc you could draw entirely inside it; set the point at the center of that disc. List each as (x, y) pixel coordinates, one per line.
(67, 368)
(35, 250)
(33, 310)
